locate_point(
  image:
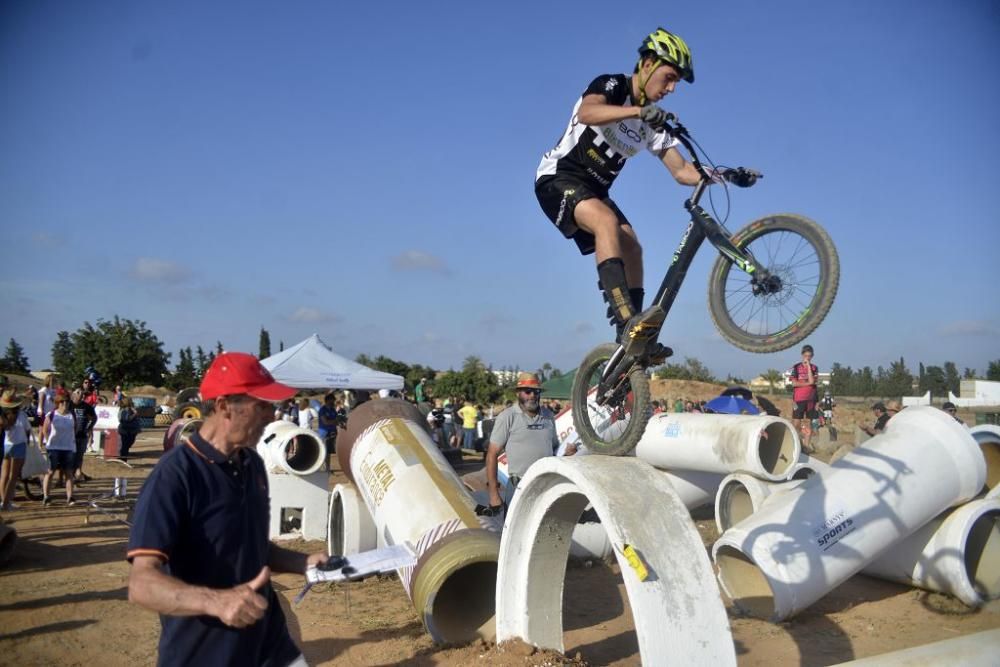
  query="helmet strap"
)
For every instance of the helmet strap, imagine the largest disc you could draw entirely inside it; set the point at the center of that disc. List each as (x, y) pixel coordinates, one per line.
(644, 81)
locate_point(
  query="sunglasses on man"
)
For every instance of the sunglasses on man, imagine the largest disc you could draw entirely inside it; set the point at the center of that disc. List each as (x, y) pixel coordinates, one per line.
(536, 392)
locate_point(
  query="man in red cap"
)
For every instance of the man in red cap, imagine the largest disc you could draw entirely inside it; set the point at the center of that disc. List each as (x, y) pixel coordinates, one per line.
(199, 545)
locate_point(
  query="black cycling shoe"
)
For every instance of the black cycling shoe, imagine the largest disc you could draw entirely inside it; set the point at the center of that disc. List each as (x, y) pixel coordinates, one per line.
(657, 354)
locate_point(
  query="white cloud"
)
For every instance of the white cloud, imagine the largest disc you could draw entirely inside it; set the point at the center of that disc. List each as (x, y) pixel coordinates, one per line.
(149, 269)
(418, 260)
(970, 328)
(308, 315)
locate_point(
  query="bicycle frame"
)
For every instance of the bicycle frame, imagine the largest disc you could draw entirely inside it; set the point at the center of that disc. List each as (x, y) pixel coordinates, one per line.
(701, 227)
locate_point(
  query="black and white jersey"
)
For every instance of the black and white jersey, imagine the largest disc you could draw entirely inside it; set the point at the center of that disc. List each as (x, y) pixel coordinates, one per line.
(596, 154)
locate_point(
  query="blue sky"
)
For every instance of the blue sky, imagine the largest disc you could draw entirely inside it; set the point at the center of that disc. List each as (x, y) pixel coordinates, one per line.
(364, 171)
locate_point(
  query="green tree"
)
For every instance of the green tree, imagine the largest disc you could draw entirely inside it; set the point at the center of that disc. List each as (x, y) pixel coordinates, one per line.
(952, 377)
(62, 352)
(202, 361)
(897, 381)
(14, 360)
(691, 369)
(265, 344)
(969, 374)
(474, 382)
(840, 379)
(864, 383)
(993, 370)
(774, 378)
(935, 382)
(185, 374)
(124, 351)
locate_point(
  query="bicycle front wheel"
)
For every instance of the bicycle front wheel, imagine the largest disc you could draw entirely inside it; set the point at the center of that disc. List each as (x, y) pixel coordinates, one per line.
(616, 427)
(802, 256)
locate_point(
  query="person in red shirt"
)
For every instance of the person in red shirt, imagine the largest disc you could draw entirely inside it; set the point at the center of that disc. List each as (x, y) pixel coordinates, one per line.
(804, 394)
(90, 396)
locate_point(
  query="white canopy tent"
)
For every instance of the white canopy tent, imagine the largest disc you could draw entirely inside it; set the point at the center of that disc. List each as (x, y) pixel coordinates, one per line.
(313, 365)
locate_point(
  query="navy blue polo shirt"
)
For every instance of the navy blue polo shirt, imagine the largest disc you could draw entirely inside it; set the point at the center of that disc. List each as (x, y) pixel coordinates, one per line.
(206, 517)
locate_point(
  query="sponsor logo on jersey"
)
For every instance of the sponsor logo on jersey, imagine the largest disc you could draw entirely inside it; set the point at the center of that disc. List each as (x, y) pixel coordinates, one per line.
(610, 85)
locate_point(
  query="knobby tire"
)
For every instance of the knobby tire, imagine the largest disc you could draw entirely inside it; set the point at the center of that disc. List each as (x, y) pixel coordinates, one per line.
(625, 441)
(808, 309)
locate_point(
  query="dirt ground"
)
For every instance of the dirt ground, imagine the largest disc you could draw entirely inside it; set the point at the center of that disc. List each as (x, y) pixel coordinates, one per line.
(63, 600)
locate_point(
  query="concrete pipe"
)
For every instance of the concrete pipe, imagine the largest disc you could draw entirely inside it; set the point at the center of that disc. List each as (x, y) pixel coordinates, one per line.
(178, 431)
(678, 614)
(290, 449)
(988, 437)
(957, 553)
(414, 496)
(976, 650)
(740, 495)
(766, 447)
(8, 543)
(805, 468)
(806, 541)
(693, 487)
(352, 529)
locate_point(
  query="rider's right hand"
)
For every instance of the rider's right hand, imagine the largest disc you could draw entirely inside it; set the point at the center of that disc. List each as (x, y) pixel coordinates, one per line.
(654, 116)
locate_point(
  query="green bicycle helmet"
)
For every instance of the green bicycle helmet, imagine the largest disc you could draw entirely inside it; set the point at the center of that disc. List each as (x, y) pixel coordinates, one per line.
(671, 49)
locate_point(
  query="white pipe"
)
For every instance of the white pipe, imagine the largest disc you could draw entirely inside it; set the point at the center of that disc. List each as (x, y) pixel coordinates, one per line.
(976, 650)
(352, 529)
(740, 495)
(415, 497)
(290, 449)
(678, 614)
(810, 539)
(988, 437)
(957, 553)
(693, 487)
(590, 541)
(761, 445)
(806, 467)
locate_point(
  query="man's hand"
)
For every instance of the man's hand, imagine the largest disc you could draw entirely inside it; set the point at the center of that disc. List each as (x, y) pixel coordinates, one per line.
(653, 116)
(242, 606)
(315, 560)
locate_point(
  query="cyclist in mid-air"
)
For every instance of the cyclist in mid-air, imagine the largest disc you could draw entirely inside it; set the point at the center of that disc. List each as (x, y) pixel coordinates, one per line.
(613, 120)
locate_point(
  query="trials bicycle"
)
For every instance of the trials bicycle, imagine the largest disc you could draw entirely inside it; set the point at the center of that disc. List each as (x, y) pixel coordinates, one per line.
(771, 286)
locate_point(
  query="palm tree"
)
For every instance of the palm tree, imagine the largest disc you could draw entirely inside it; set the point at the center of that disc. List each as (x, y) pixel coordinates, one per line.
(773, 376)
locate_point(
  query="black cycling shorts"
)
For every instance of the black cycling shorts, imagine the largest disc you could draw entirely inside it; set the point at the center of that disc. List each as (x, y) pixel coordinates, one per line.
(805, 409)
(559, 195)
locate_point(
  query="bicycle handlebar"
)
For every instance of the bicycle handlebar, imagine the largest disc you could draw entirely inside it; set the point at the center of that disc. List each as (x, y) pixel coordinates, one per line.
(736, 176)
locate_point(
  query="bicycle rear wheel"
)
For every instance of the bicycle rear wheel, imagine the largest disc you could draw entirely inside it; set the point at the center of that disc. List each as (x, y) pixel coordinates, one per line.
(616, 427)
(801, 254)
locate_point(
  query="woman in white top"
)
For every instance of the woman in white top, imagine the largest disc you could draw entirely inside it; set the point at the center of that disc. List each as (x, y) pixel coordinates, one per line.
(59, 439)
(15, 447)
(308, 416)
(47, 397)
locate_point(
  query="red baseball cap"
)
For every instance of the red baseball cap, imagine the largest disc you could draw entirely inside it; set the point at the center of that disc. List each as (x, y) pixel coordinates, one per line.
(241, 373)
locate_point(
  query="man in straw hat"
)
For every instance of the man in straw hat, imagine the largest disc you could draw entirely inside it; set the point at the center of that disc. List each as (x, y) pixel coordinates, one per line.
(199, 546)
(17, 433)
(524, 432)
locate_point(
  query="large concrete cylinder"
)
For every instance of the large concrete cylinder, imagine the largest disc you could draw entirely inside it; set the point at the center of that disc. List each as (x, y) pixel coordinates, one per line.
(414, 496)
(290, 449)
(806, 541)
(766, 447)
(352, 529)
(988, 437)
(957, 553)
